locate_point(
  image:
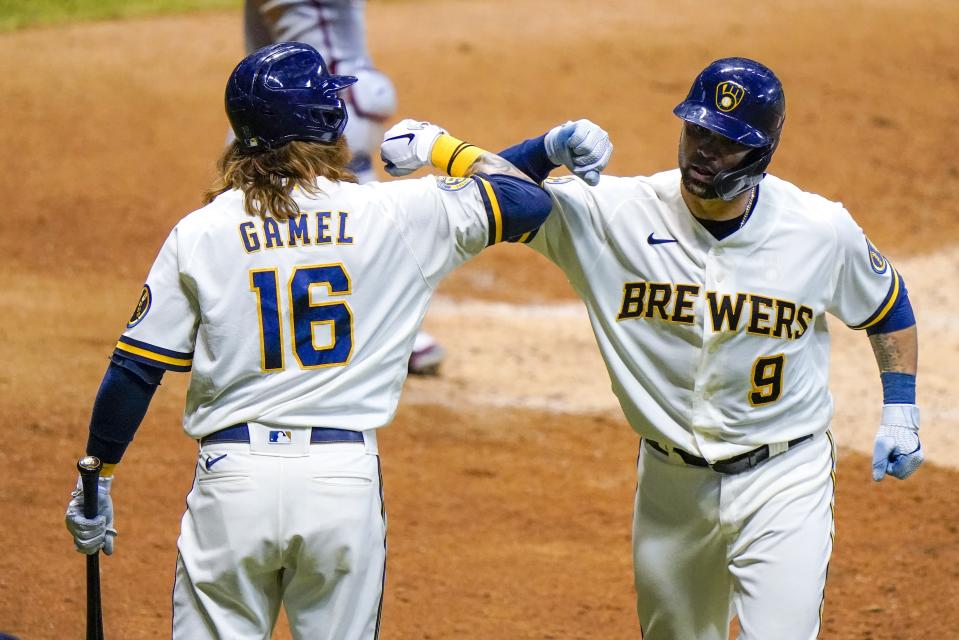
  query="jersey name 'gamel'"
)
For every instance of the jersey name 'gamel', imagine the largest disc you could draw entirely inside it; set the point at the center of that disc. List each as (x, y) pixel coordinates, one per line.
(316, 228)
(766, 316)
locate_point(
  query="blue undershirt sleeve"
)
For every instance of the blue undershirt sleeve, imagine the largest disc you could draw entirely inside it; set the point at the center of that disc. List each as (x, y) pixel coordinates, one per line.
(899, 317)
(523, 205)
(121, 403)
(530, 157)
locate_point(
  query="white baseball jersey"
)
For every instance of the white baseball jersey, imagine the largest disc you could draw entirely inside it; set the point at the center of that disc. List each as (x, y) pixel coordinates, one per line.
(307, 322)
(715, 346)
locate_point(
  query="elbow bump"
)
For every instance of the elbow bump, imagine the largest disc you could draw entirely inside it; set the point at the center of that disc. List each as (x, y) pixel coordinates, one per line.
(524, 205)
(542, 205)
(529, 214)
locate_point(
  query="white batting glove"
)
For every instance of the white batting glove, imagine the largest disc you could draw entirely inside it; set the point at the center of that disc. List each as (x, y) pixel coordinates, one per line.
(89, 535)
(407, 145)
(583, 147)
(897, 451)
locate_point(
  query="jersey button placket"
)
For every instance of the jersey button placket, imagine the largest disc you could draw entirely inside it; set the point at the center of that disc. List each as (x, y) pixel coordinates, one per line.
(715, 255)
(705, 389)
(699, 412)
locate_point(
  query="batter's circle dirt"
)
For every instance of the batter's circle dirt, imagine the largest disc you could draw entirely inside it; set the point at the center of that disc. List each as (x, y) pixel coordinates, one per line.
(504, 522)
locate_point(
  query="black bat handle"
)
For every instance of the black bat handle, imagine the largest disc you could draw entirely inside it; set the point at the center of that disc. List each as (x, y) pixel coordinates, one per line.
(89, 468)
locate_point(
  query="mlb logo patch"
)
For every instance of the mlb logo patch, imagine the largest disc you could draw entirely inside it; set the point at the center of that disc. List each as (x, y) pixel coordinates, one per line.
(281, 437)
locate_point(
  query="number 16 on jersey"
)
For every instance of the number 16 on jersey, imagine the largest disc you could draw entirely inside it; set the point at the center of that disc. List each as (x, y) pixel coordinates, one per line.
(312, 351)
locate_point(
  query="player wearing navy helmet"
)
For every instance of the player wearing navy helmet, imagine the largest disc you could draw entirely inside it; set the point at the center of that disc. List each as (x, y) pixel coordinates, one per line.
(707, 288)
(337, 29)
(718, 102)
(293, 297)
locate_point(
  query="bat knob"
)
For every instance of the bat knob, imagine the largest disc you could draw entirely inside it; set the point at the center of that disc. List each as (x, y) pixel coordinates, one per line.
(89, 465)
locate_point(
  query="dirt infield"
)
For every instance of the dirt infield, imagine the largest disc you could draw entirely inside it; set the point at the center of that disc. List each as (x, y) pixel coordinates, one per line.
(509, 480)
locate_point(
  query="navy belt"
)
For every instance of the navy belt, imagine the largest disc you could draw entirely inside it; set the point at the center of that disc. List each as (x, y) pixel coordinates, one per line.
(318, 435)
(729, 466)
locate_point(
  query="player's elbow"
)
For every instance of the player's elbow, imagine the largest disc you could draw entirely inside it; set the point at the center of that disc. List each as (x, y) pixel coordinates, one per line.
(524, 205)
(540, 206)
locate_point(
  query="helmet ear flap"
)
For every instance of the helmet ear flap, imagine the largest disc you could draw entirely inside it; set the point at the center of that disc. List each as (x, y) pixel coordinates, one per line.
(731, 183)
(328, 116)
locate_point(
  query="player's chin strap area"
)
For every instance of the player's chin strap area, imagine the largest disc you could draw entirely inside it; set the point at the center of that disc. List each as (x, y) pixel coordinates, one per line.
(731, 183)
(736, 464)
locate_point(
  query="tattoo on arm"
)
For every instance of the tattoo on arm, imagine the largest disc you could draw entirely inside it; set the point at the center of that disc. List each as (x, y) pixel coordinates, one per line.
(896, 351)
(492, 163)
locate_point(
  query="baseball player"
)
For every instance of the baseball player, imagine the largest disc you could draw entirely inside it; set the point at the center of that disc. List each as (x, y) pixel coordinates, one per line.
(337, 29)
(294, 297)
(707, 287)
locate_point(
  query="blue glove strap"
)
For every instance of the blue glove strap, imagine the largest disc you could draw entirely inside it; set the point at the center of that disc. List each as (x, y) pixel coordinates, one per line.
(898, 388)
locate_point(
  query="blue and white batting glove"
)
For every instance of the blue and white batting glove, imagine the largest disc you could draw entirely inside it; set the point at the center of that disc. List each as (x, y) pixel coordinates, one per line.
(897, 450)
(89, 535)
(407, 145)
(583, 147)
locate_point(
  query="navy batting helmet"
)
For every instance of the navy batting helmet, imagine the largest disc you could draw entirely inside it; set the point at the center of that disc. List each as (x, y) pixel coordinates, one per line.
(284, 92)
(742, 100)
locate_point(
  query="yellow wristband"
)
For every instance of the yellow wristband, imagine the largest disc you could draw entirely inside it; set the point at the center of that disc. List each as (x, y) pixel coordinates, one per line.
(107, 470)
(453, 155)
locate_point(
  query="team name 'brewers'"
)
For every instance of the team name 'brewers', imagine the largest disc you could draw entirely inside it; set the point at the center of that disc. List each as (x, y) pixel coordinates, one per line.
(761, 315)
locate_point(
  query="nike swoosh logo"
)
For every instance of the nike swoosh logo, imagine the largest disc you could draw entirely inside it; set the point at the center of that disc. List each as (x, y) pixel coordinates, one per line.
(409, 137)
(212, 461)
(652, 240)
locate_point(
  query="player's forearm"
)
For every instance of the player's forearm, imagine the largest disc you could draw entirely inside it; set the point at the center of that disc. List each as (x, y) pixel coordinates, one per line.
(494, 164)
(897, 356)
(531, 158)
(462, 159)
(121, 404)
(898, 351)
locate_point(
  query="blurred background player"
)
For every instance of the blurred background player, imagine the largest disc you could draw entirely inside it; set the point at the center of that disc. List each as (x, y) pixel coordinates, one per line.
(337, 29)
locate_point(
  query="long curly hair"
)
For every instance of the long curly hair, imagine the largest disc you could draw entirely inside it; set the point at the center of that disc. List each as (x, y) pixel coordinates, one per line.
(267, 178)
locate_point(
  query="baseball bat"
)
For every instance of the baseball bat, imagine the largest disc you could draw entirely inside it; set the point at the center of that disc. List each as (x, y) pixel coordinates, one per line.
(89, 468)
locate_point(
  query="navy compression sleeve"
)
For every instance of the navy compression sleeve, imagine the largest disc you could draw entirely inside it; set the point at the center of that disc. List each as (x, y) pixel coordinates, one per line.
(121, 403)
(530, 157)
(899, 317)
(521, 206)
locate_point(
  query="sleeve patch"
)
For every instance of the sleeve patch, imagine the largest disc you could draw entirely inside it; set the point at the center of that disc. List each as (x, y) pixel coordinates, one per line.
(876, 260)
(452, 184)
(143, 306)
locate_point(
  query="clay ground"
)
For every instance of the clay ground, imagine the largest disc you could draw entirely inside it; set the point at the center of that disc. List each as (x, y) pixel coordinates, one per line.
(508, 480)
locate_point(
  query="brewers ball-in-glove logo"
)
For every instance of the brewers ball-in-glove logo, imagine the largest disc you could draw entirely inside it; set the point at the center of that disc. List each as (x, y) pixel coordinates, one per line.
(876, 260)
(729, 95)
(452, 184)
(143, 305)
